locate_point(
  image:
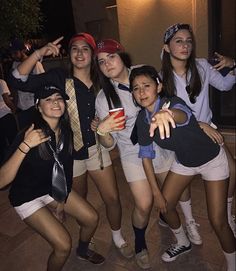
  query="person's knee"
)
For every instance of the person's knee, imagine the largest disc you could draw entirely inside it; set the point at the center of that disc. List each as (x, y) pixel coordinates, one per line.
(92, 219)
(63, 245)
(144, 207)
(112, 200)
(218, 223)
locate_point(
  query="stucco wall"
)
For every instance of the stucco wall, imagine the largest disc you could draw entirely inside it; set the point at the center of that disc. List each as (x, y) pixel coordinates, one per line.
(142, 24)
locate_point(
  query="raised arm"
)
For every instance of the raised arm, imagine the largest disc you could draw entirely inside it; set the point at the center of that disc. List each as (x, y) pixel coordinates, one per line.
(52, 48)
(10, 168)
(166, 118)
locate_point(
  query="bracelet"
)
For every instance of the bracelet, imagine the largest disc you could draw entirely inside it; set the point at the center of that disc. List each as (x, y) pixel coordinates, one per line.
(101, 133)
(22, 150)
(26, 144)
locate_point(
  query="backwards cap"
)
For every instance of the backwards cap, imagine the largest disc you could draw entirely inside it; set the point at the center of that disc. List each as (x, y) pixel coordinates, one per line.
(85, 37)
(109, 46)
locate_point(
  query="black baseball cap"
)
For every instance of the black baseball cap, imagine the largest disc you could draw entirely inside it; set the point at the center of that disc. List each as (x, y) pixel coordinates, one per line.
(46, 91)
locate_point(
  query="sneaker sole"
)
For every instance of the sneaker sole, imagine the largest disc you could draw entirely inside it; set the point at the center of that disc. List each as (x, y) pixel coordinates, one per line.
(168, 260)
(85, 260)
(195, 242)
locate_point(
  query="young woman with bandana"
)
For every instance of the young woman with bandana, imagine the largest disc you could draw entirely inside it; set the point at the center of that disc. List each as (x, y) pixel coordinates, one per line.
(189, 78)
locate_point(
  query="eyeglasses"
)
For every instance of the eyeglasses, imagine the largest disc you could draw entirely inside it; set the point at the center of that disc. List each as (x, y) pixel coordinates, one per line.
(192, 98)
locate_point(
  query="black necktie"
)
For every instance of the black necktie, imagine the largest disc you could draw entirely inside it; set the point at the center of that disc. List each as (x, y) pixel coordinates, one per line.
(123, 87)
(59, 187)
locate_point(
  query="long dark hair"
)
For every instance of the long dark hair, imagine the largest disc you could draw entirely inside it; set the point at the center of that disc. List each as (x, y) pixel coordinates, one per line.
(194, 84)
(65, 132)
(112, 97)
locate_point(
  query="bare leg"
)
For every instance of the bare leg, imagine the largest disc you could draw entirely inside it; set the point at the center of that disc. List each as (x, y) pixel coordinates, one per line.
(172, 189)
(80, 185)
(231, 161)
(106, 184)
(43, 222)
(216, 196)
(143, 199)
(84, 213)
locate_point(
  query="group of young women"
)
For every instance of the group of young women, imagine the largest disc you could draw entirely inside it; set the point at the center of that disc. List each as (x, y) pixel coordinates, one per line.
(99, 78)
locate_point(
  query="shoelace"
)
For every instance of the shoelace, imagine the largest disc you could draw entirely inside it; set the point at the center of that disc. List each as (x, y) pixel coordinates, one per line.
(174, 249)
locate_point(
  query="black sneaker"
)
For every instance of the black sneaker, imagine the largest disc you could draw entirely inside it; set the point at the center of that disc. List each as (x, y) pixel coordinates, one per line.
(174, 251)
(92, 257)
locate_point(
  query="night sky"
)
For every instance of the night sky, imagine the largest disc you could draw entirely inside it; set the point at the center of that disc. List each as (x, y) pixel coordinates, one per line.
(58, 19)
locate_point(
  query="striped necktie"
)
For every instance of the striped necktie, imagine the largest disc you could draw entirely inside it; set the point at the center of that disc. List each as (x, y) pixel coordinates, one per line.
(74, 114)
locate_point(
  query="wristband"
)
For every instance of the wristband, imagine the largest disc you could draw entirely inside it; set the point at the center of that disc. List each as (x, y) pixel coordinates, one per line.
(26, 144)
(22, 150)
(101, 133)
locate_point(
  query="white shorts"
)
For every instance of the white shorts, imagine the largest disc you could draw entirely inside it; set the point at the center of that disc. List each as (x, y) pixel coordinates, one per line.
(215, 170)
(28, 208)
(133, 167)
(92, 163)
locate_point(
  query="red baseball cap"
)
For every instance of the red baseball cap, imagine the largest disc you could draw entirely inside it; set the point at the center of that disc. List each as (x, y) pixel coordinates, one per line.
(109, 46)
(83, 36)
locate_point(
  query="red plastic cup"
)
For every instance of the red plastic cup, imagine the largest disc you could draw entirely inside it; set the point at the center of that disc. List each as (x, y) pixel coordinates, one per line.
(121, 114)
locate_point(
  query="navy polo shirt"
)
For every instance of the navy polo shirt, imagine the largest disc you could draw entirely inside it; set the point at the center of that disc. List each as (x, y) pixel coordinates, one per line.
(191, 145)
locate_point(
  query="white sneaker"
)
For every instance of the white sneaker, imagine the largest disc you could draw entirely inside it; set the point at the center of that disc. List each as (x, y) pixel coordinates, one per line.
(192, 232)
(232, 224)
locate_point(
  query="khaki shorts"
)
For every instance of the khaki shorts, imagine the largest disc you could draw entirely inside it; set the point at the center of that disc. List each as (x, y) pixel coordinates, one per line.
(215, 170)
(92, 163)
(28, 208)
(133, 167)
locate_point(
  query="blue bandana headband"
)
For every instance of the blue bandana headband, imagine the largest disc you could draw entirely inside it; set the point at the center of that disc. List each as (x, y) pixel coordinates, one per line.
(173, 29)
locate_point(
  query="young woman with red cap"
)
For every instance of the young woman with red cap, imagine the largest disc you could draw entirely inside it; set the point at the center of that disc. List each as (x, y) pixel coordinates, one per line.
(81, 83)
(189, 78)
(115, 66)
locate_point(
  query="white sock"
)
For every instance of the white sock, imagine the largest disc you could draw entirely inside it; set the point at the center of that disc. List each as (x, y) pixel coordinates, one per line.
(229, 207)
(117, 238)
(230, 259)
(186, 207)
(180, 236)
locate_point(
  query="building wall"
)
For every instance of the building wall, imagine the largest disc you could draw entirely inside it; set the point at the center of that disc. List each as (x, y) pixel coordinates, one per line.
(142, 24)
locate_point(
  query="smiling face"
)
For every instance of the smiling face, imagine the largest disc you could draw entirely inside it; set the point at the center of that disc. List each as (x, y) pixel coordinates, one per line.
(180, 46)
(52, 107)
(80, 54)
(112, 66)
(145, 91)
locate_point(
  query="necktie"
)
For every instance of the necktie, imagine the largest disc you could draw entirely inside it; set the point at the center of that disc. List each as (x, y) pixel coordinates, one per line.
(74, 114)
(59, 187)
(123, 87)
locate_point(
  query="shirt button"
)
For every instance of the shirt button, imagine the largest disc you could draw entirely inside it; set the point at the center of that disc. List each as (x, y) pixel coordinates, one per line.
(88, 104)
(88, 130)
(88, 118)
